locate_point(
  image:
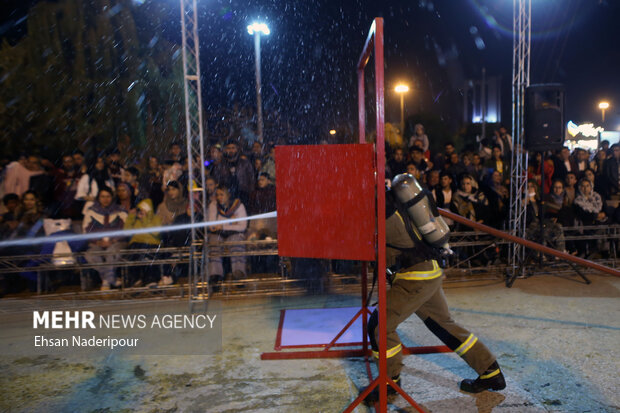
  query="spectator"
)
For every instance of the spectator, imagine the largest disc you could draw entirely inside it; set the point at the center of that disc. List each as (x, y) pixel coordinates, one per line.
(78, 162)
(257, 165)
(175, 152)
(256, 153)
(569, 187)
(43, 182)
(610, 175)
(152, 181)
(596, 181)
(114, 165)
(103, 216)
(477, 166)
(432, 179)
(597, 162)
(455, 167)
(440, 160)
(486, 150)
(263, 200)
(412, 170)
(216, 157)
(417, 158)
(563, 164)
(173, 171)
(580, 157)
(174, 205)
(504, 141)
(17, 175)
(419, 134)
(499, 164)
(469, 202)
(28, 217)
(552, 232)
(559, 209)
(443, 193)
(427, 153)
(589, 204)
(589, 209)
(499, 200)
(131, 177)
(534, 172)
(102, 175)
(90, 182)
(235, 172)
(397, 163)
(144, 217)
(605, 148)
(11, 202)
(66, 180)
(172, 211)
(211, 185)
(227, 206)
(269, 163)
(125, 198)
(467, 164)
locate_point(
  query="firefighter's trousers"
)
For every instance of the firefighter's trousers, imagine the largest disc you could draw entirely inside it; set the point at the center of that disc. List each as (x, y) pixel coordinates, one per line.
(413, 293)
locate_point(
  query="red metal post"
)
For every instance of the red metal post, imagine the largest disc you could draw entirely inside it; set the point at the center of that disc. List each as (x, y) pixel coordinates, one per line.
(361, 110)
(380, 150)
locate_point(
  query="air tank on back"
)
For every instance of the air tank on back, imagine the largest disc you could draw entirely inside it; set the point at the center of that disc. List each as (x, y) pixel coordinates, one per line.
(422, 210)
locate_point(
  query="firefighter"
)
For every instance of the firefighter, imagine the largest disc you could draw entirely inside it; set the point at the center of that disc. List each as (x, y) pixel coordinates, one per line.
(416, 236)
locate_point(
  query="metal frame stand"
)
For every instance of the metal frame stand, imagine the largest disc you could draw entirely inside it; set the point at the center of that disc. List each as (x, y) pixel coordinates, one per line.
(198, 277)
(522, 13)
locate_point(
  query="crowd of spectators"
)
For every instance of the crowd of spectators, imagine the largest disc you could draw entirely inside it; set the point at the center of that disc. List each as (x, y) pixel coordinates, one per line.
(108, 194)
(580, 189)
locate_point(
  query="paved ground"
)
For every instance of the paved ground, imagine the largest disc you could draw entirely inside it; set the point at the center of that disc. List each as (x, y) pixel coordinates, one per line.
(556, 340)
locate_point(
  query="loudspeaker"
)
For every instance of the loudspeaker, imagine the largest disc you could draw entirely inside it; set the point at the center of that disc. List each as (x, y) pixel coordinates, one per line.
(544, 117)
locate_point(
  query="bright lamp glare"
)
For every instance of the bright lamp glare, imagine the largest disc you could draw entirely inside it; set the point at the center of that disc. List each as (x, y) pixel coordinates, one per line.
(401, 88)
(258, 28)
(332, 132)
(603, 105)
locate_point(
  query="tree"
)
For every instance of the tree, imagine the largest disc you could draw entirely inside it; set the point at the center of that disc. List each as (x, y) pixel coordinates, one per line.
(90, 68)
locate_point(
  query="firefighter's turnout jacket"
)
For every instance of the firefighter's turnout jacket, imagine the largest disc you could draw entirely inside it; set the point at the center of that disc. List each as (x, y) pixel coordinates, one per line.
(416, 288)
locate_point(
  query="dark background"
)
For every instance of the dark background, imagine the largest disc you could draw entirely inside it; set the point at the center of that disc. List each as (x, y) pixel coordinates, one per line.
(308, 60)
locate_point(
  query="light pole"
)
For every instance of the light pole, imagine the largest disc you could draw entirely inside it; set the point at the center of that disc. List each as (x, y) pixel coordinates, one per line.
(602, 106)
(402, 89)
(256, 29)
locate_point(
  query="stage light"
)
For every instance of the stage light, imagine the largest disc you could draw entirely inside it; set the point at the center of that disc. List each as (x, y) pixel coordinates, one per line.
(401, 88)
(258, 28)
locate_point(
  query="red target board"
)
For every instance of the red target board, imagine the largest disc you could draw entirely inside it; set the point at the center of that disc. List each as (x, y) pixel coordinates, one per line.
(326, 201)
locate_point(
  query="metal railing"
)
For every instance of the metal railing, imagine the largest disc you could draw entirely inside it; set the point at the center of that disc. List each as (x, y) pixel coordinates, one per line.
(474, 243)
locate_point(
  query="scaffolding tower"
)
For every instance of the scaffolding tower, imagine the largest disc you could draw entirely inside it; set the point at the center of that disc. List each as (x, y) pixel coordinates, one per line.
(197, 277)
(521, 42)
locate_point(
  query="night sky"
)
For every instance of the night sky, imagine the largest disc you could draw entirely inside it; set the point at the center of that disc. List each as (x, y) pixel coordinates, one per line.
(308, 61)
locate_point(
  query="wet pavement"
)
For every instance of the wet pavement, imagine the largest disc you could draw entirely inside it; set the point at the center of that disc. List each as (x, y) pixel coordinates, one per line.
(555, 337)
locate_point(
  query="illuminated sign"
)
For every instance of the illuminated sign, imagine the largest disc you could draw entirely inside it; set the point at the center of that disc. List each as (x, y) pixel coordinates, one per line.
(586, 130)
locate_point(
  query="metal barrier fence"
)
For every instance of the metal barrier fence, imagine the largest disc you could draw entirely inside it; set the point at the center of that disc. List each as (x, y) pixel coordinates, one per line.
(476, 254)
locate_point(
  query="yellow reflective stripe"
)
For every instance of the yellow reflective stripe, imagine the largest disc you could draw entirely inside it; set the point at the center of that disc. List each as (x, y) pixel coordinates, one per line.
(390, 353)
(421, 275)
(394, 350)
(417, 234)
(492, 374)
(466, 345)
